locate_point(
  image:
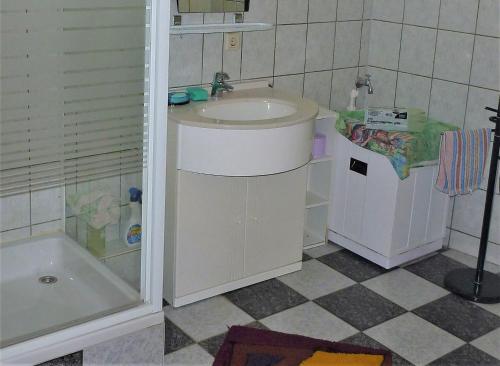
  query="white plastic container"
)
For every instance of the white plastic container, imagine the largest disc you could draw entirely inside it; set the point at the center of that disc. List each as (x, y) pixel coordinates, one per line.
(133, 226)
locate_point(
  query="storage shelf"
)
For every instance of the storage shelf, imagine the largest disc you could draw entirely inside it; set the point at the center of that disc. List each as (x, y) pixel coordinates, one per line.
(312, 240)
(219, 28)
(114, 248)
(326, 113)
(315, 200)
(321, 159)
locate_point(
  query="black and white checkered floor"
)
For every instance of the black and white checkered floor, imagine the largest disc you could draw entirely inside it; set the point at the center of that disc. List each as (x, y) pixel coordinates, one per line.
(341, 297)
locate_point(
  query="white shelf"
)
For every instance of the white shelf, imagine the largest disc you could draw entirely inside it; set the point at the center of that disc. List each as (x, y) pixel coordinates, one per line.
(315, 200)
(219, 28)
(114, 248)
(326, 113)
(311, 240)
(321, 159)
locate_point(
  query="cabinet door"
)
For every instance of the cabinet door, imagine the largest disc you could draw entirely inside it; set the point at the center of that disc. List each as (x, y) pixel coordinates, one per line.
(210, 231)
(275, 220)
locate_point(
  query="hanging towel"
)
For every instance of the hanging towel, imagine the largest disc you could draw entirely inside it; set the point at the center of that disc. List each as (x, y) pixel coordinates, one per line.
(462, 160)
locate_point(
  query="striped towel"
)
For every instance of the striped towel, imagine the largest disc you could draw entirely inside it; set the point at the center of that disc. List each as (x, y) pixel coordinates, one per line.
(462, 160)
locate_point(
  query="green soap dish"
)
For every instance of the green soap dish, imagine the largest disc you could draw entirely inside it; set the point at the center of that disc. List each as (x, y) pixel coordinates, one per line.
(197, 94)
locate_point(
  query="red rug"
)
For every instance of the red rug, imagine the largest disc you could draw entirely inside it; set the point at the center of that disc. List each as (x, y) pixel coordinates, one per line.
(244, 345)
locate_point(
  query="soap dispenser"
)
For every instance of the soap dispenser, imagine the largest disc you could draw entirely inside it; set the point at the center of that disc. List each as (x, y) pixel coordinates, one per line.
(133, 226)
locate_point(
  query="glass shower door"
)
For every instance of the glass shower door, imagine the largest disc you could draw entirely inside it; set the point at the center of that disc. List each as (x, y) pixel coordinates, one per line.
(73, 117)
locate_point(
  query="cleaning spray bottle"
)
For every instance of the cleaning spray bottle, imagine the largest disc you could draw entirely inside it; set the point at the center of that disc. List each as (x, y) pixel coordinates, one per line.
(133, 227)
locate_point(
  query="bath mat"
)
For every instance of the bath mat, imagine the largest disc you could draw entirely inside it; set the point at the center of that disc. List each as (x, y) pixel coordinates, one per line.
(243, 342)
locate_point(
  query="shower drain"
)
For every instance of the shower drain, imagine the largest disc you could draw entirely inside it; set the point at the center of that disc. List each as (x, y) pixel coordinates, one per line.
(47, 280)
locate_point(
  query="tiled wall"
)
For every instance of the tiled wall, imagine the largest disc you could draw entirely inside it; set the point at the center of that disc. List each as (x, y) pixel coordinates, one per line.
(438, 55)
(35, 213)
(442, 56)
(42, 212)
(313, 46)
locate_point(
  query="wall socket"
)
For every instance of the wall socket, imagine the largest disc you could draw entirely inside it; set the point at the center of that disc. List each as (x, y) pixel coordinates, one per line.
(232, 41)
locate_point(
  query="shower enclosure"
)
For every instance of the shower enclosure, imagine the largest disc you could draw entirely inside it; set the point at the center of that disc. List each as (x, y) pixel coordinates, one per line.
(81, 136)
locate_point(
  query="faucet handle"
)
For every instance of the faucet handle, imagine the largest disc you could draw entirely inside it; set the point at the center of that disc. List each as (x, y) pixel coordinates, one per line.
(221, 76)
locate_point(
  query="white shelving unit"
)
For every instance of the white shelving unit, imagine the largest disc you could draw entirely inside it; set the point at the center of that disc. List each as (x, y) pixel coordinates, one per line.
(219, 28)
(319, 173)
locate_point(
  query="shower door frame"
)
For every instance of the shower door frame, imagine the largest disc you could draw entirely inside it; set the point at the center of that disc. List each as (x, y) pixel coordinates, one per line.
(150, 312)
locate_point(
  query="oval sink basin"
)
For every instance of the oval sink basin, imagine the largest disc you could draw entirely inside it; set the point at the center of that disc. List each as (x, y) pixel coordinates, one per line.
(244, 133)
(247, 109)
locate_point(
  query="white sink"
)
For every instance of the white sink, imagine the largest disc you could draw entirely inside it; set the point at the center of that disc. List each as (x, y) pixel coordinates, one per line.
(257, 109)
(244, 133)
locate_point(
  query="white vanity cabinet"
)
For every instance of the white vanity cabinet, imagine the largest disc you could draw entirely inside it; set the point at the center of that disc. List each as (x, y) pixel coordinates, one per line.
(210, 231)
(234, 231)
(274, 223)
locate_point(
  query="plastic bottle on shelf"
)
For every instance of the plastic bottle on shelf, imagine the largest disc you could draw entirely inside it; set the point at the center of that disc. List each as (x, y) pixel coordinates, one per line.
(133, 227)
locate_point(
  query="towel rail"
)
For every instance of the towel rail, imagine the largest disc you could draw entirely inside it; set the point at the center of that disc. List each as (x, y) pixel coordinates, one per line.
(477, 284)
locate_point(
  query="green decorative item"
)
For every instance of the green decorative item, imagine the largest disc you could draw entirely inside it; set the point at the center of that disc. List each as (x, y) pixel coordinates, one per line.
(404, 149)
(197, 94)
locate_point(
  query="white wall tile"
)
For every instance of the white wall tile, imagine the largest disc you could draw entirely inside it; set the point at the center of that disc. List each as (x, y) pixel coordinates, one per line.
(413, 91)
(468, 215)
(15, 234)
(350, 10)
(317, 86)
(342, 83)
(384, 84)
(458, 15)
(470, 245)
(453, 56)
(262, 11)
(367, 9)
(292, 84)
(231, 61)
(46, 205)
(417, 50)
(257, 60)
(365, 43)
(290, 49)
(70, 228)
(347, 44)
(47, 228)
(486, 63)
(448, 101)
(319, 52)
(488, 20)
(389, 10)
(292, 11)
(212, 56)
(422, 12)
(185, 59)
(477, 116)
(385, 40)
(322, 10)
(14, 211)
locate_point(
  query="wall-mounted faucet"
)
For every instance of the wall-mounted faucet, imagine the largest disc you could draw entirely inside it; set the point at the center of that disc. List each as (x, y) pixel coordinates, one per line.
(365, 81)
(219, 84)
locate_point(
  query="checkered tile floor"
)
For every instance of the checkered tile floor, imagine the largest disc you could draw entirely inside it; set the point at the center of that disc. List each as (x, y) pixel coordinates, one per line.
(342, 297)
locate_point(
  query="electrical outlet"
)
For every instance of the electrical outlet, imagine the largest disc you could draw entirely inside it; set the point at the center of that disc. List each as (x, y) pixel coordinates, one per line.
(232, 41)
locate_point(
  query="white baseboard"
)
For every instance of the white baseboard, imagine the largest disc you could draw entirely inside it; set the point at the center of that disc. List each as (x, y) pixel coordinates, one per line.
(381, 260)
(234, 285)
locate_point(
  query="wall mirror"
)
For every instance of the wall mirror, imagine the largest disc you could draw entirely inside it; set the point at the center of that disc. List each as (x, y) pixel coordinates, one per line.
(213, 6)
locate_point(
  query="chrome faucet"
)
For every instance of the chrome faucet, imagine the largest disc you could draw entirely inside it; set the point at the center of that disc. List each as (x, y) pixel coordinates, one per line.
(365, 81)
(219, 84)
